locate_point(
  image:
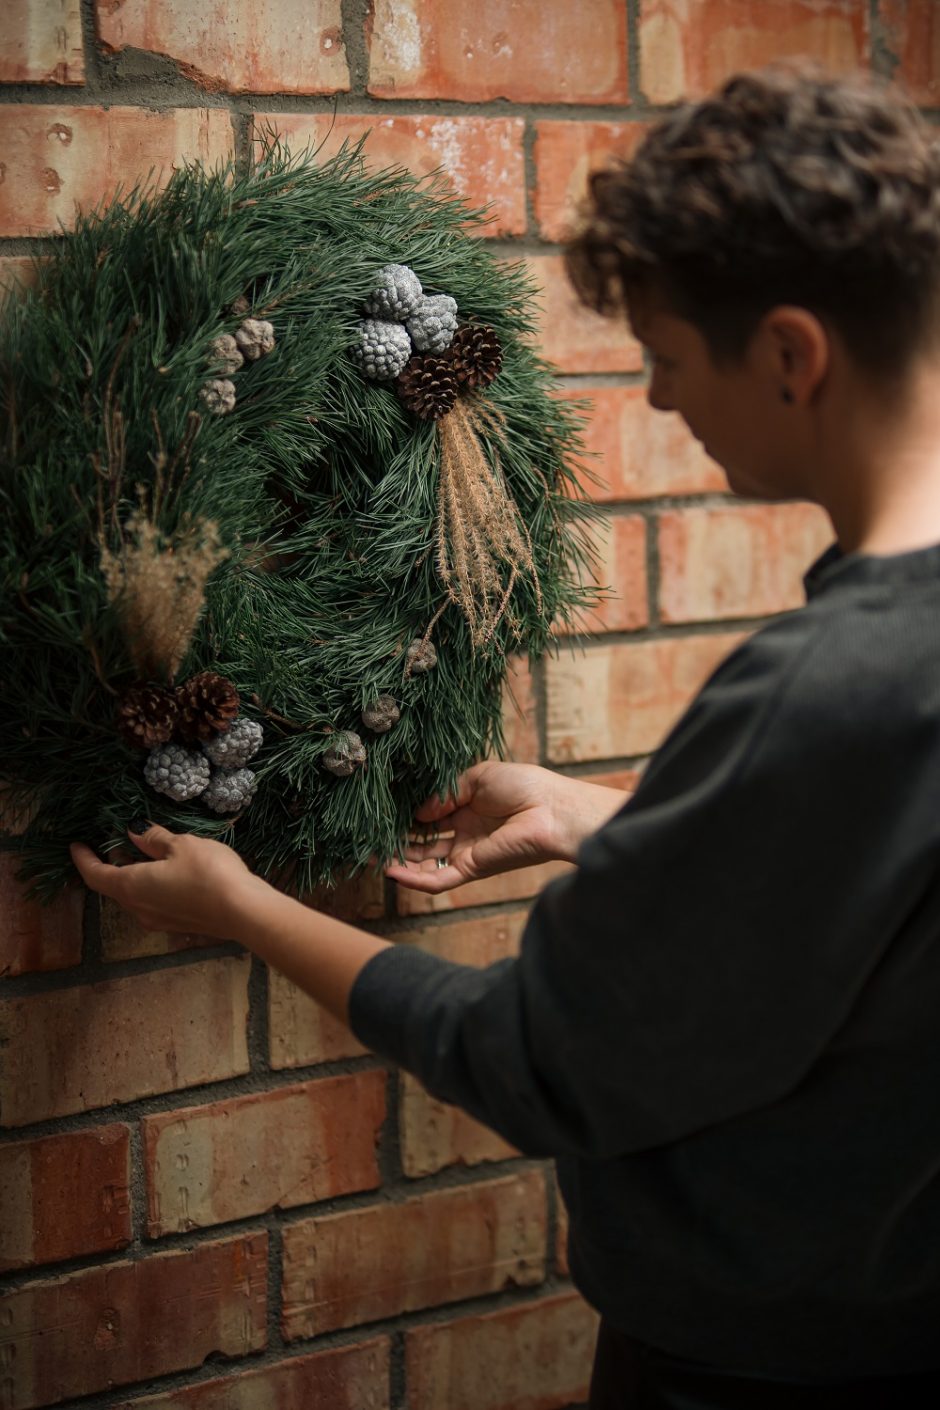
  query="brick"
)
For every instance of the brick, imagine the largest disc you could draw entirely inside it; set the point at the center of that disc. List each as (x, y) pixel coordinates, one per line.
(561, 1236)
(565, 155)
(58, 159)
(479, 942)
(516, 885)
(571, 336)
(532, 1357)
(344, 1378)
(294, 46)
(434, 1134)
(358, 898)
(363, 1264)
(739, 561)
(910, 30)
(498, 49)
(124, 938)
(621, 571)
(17, 274)
(130, 1321)
(272, 1150)
(688, 50)
(301, 1032)
(609, 702)
(88, 1046)
(639, 453)
(520, 731)
(34, 937)
(41, 42)
(482, 157)
(64, 1196)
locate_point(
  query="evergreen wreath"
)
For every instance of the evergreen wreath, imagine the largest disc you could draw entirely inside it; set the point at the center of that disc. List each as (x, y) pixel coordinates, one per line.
(249, 586)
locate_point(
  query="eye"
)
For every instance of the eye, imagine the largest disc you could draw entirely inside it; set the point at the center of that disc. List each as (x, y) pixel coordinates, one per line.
(665, 364)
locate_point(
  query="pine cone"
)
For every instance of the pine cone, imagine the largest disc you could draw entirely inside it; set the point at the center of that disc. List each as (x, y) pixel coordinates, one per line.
(207, 705)
(146, 715)
(433, 323)
(382, 350)
(420, 657)
(179, 773)
(229, 790)
(396, 294)
(476, 355)
(345, 754)
(428, 386)
(219, 396)
(380, 714)
(255, 338)
(233, 749)
(224, 354)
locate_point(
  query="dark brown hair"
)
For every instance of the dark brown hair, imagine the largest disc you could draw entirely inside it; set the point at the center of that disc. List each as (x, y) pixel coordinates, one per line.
(787, 186)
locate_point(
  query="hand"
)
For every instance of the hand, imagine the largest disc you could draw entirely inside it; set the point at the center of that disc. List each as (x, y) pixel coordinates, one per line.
(191, 884)
(503, 816)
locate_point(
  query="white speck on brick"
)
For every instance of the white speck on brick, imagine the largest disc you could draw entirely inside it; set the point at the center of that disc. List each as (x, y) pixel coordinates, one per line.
(401, 41)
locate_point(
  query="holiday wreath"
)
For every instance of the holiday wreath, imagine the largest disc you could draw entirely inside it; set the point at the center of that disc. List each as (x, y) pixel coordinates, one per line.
(282, 482)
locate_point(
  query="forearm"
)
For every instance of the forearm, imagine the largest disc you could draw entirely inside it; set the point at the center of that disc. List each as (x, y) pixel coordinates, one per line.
(322, 956)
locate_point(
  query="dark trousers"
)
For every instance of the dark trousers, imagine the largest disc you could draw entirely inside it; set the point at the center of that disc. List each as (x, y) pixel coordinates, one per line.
(630, 1376)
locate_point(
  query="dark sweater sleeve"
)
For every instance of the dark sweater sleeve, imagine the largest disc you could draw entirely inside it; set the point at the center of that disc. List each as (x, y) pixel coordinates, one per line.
(714, 936)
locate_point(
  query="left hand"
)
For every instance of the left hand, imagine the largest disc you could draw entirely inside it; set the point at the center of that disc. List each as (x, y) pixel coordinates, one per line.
(192, 884)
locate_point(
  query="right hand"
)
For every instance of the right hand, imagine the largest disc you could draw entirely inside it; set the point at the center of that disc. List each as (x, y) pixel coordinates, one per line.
(503, 816)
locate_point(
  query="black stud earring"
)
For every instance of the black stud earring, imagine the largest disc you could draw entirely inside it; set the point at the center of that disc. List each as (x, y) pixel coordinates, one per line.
(787, 396)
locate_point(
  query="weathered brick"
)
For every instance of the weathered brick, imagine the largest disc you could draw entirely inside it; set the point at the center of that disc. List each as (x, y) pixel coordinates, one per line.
(34, 937)
(129, 1321)
(565, 155)
(58, 159)
(434, 1134)
(561, 1235)
(344, 1269)
(534, 1357)
(639, 453)
(516, 885)
(910, 30)
(124, 938)
(64, 1196)
(344, 1378)
(271, 1150)
(609, 702)
(481, 156)
(520, 732)
(91, 1045)
(571, 336)
(548, 53)
(358, 898)
(41, 42)
(479, 942)
(621, 570)
(301, 1032)
(687, 50)
(294, 46)
(737, 561)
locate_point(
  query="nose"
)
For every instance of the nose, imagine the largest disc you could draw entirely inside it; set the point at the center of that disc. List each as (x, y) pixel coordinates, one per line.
(657, 393)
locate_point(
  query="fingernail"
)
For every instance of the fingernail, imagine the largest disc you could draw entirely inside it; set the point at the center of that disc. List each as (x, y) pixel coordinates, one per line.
(139, 825)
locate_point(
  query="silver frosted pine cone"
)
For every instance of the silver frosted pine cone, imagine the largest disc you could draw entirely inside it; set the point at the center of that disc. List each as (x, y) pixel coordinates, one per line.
(433, 324)
(380, 714)
(345, 755)
(219, 396)
(179, 773)
(240, 743)
(230, 790)
(420, 657)
(224, 355)
(382, 350)
(396, 295)
(255, 338)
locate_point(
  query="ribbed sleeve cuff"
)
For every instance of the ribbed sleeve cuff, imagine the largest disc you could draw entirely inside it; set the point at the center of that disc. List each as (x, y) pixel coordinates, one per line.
(381, 999)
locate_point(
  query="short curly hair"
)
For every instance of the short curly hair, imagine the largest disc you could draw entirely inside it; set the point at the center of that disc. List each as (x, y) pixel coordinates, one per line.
(787, 186)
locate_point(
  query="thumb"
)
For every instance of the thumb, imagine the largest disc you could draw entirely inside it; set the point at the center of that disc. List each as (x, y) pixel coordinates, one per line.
(154, 841)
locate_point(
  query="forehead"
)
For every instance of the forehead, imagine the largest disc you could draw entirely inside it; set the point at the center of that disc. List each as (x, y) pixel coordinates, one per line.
(651, 317)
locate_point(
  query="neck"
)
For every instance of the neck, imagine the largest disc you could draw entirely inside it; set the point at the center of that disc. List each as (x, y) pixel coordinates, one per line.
(882, 488)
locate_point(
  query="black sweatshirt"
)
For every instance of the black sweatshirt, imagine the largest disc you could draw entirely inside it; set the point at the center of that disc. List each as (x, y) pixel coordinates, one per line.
(725, 1024)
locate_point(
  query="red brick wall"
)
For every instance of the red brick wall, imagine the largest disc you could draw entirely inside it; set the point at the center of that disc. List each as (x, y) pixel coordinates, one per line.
(209, 1194)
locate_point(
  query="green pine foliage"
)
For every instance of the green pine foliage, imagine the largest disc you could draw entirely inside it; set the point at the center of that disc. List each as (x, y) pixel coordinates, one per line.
(322, 485)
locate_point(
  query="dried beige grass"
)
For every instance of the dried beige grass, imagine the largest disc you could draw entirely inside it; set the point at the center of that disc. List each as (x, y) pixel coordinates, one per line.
(158, 590)
(482, 543)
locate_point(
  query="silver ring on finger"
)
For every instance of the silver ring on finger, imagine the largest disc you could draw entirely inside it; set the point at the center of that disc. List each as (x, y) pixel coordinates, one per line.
(441, 862)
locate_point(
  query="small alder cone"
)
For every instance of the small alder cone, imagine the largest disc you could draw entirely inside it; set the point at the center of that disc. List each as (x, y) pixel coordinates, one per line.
(147, 715)
(380, 714)
(346, 753)
(428, 386)
(255, 338)
(224, 355)
(207, 705)
(421, 656)
(476, 356)
(219, 396)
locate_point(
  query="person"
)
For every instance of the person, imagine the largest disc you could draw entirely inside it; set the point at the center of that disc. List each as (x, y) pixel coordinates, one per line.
(723, 1022)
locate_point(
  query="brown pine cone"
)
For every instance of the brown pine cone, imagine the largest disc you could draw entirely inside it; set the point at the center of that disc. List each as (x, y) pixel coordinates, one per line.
(207, 705)
(476, 355)
(427, 385)
(146, 715)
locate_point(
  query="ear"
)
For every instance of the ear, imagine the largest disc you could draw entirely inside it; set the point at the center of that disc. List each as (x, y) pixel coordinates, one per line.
(796, 349)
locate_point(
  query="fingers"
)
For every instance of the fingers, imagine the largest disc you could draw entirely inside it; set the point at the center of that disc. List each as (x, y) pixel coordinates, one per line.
(97, 875)
(420, 849)
(426, 876)
(156, 842)
(435, 808)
